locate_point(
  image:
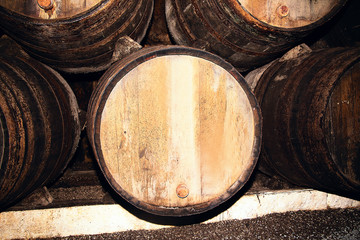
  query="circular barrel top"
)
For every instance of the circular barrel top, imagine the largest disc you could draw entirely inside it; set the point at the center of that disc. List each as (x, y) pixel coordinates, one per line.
(289, 13)
(50, 9)
(176, 130)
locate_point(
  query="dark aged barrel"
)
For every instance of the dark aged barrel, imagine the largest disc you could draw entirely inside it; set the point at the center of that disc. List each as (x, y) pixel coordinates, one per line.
(39, 126)
(311, 113)
(176, 130)
(248, 33)
(74, 35)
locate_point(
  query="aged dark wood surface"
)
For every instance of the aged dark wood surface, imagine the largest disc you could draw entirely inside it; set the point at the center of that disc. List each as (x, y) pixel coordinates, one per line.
(81, 43)
(227, 29)
(310, 107)
(342, 124)
(39, 125)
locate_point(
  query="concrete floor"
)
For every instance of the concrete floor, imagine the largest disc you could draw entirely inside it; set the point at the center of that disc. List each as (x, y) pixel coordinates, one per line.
(303, 213)
(329, 224)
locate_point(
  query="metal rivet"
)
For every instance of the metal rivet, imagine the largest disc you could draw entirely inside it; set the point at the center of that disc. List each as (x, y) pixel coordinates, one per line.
(46, 4)
(182, 191)
(283, 11)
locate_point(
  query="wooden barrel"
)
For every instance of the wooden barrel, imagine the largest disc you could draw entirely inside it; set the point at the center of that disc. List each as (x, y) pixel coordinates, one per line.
(175, 130)
(39, 126)
(311, 130)
(74, 35)
(247, 33)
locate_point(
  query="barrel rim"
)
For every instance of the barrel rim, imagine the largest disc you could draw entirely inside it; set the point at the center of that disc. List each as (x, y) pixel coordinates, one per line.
(104, 90)
(354, 63)
(4, 137)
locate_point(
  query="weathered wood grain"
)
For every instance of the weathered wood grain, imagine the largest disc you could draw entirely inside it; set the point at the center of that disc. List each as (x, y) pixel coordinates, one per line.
(80, 41)
(310, 106)
(342, 121)
(176, 131)
(39, 128)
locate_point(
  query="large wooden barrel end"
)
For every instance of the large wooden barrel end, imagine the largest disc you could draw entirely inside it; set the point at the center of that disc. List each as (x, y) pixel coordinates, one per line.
(176, 130)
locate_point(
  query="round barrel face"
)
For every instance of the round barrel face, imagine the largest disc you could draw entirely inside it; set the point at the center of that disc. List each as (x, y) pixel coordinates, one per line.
(178, 131)
(289, 13)
(342, 121)
(49, 9)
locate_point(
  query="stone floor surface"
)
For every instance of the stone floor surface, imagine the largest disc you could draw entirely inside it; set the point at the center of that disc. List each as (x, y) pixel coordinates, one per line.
(334, 224)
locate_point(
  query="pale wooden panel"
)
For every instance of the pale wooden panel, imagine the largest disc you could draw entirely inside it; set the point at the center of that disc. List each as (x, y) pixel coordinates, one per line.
(227, 129)
(187, 122)
(153, 128)
(184, 158)
(120, 134)
(288, 13)
(60, 9)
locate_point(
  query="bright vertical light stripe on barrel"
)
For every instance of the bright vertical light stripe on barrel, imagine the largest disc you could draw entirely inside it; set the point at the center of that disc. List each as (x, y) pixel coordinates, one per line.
(183, 118)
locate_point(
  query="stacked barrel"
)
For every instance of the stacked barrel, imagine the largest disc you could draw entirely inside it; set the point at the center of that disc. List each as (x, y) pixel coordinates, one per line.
(310, 105)
(40, 126)
(176, 129)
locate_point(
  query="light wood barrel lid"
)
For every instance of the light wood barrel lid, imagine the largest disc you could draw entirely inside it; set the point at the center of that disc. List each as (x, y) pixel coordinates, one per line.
(289, 13)
(50, 9)
(176, 130)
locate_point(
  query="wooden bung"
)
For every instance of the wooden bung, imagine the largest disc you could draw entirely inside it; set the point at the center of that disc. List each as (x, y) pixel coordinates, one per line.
(46, 4)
